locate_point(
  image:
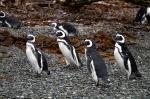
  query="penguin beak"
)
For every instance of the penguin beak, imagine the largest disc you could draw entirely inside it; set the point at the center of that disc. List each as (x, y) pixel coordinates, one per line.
(52, 33)
(82, 42)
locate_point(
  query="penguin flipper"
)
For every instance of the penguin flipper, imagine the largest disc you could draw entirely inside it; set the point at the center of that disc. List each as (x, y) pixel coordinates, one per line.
(38, 57)
(126, 57)
(45, 64)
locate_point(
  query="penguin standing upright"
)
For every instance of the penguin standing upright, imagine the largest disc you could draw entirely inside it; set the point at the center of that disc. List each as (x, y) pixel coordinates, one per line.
(124, 58)
(67, 50)
(9, 21)
(143, 15)
(35, 57)
(95, 64)
(67, 28)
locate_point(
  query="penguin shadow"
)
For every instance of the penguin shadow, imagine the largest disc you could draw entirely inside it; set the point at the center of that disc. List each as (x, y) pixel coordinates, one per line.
(102, 85)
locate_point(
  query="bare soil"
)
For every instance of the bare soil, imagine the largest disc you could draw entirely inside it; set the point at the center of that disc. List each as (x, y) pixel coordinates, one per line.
(98, 21)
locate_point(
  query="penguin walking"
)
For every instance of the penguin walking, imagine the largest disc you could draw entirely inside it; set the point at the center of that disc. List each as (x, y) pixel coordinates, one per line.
(143, 15)
(95, 64)
(35, 57)
(67, 28)
(9, 21)
(124, 58)
(68, 51)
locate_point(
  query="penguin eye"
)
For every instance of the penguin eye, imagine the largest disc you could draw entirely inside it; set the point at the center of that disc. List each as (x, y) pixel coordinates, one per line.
(2, 14)
(87, 43)
(59, 34)
(30, 38)
(53, 25)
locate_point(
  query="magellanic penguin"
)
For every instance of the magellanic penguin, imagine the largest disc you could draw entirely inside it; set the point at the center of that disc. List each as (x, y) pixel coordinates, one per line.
(35, 57)
(67, 49)
(67, 28)
(95, 64)
(143, 15)
(9, 21)
(124, 58)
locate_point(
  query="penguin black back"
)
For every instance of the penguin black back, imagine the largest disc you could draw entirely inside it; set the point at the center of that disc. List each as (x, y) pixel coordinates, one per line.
(93, 55)
(35, 56)
(140, 13)
(69, 27)
(126, 56)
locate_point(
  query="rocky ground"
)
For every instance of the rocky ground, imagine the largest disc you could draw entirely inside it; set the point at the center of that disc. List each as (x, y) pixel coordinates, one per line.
(98, 21)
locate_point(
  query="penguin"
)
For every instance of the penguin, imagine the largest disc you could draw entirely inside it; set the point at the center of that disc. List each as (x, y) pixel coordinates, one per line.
(68, 51)
(95, 63)
(9, 21)
(67, 28)
(124, 58)
(143, 15)
(2, 18)
(36, 57)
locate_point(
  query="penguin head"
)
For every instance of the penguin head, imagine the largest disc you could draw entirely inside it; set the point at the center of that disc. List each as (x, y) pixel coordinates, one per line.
(2, 14)
(89, 43)
(60, 34)
(64, 30)
(119, 38)
(31, 38)
(54, 24)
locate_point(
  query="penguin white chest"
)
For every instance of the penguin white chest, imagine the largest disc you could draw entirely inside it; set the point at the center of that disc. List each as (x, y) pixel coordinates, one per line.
(119, 59)
(66, 52)
(32, 59)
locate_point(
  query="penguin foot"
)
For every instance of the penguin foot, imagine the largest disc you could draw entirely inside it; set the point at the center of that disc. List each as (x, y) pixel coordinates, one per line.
(97, 83)
(138, 74)
(37, 75)
(107, 82)
(132, 77)
(48, 72)
(135, 75)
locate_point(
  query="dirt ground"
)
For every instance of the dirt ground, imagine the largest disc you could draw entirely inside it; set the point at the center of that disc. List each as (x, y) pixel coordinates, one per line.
(98, 21)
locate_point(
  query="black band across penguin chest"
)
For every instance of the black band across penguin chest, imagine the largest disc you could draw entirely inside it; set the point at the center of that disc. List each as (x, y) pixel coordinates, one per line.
(69, 47)
(37, 55)
(124, 54)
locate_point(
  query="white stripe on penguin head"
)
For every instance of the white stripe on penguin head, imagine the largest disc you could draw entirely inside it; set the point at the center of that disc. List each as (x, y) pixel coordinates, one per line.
(33, 38)
(61, 28)
(63, 34)
(3, 14)
(54, 25)
(90, 45)
(123, 39)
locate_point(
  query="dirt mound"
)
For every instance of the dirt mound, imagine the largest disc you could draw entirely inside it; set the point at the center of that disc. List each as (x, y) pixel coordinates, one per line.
(31, 13)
